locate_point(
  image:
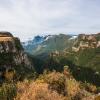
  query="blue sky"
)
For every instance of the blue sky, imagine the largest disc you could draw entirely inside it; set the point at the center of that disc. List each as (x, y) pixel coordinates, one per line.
(27, 18)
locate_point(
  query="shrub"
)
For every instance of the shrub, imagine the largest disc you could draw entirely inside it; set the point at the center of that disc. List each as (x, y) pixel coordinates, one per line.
(97, 97)
(56, 82)
(72, 87)
(7, 91)
(9, 74)
(82, 94)
(36, 91)
(90, 87)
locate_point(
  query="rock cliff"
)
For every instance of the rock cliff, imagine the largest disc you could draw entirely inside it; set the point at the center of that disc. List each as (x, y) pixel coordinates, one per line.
(86, 41)
(12, 53)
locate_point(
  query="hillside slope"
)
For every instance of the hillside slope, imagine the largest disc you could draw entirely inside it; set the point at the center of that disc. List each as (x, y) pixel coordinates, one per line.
(12, 56)
(48, 44)
(83, 59)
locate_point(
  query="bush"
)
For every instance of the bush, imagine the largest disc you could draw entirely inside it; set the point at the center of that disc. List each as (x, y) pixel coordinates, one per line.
(36, 91)
(53, 86)
(56, 82)
(9, 74)
(90, 87)
(7, 91)
(72, 87)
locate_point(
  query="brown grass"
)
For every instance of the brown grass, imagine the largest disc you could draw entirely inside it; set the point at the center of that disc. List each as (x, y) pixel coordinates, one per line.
(53, 86)
(36, 91)
(72, 87)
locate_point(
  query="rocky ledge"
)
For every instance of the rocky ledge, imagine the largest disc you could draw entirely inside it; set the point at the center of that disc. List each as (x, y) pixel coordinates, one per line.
(12, 53)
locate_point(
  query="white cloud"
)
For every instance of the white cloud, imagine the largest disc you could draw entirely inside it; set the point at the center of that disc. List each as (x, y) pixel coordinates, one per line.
(26, 18)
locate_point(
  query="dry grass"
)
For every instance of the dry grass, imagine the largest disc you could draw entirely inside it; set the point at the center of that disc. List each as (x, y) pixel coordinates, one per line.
(55, 81)
(90, 87)
(36, 91)
(53, 86)
(72, 87)
(9, 75)
(97, 97)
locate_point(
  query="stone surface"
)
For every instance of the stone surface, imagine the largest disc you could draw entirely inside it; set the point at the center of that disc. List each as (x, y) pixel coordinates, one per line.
(12, 53)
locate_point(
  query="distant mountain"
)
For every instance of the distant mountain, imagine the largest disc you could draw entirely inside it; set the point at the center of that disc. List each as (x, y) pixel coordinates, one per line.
(83, 58)
(82, 50)
(48, 43)
(85, 51)
(37, 40)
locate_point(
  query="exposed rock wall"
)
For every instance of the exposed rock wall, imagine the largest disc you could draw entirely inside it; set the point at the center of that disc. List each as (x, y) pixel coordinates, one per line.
(86, 41)
(11, 52)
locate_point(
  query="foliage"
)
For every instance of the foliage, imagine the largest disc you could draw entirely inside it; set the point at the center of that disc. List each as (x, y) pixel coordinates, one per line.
(72, 87)
(56, 82)
(34, 91)
(8, 91)
(90, 87)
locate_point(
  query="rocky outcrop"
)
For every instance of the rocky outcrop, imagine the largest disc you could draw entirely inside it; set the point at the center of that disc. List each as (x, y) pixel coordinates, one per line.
(86, 41)
(12, 53)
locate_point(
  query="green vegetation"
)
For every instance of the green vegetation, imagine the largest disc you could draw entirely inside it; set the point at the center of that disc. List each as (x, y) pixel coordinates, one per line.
(54, 85)
(57, 75)
(56, 42)
(8, 91)
(88, 58)
(81, 70)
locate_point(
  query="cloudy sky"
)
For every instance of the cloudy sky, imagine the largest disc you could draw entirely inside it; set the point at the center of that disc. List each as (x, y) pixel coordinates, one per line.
(27, 18)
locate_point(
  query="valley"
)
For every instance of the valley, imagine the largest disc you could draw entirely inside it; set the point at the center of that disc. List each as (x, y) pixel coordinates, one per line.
(62, 66)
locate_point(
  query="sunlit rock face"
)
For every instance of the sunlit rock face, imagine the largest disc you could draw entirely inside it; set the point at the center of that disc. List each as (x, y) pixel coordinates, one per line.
(12, 53)
(86, 41)
(8, 43)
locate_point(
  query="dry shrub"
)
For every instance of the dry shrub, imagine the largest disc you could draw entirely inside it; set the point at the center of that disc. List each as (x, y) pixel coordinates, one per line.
(53, 86)
(97, 97)
(72, 87)
(82, 94)
(90, 87)
(36, 91)
(89, 98)
(62, 84)
(56, 82)
(9, 74)
(92, 97)
(7, 91)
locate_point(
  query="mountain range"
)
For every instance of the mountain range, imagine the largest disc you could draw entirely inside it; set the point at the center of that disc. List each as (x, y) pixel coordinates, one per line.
(82, 50)
(48, 43)
(68, 66)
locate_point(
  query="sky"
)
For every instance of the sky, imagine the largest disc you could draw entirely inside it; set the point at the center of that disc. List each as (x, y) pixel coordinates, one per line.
(28, 18)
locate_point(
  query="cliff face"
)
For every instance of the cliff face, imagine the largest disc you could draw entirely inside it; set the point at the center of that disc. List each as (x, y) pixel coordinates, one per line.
(86, 41)
(12, 53)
